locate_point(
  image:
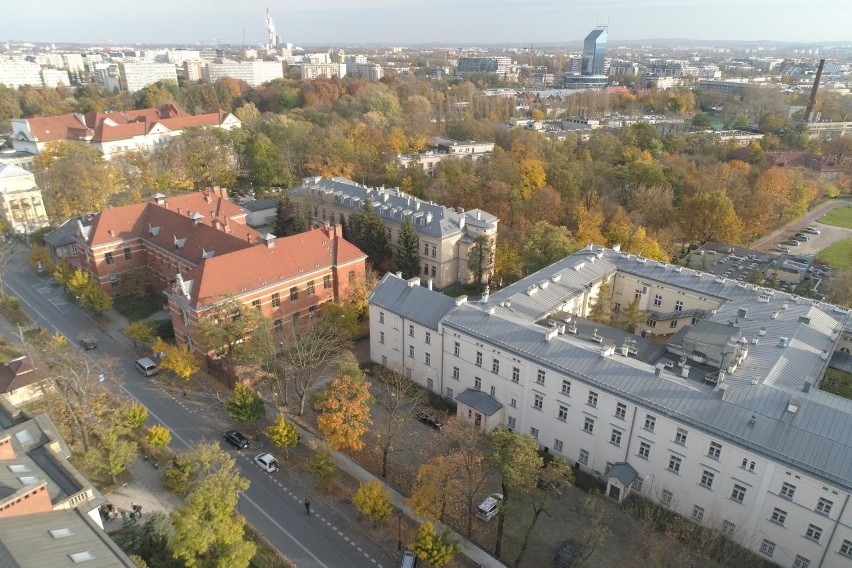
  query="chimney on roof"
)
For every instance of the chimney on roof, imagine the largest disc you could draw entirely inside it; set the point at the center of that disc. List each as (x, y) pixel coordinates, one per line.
(248, 236)
(429, 283)
(179, 211)
(269, 240)
(111, 233)
(227, 226)
(207, 196)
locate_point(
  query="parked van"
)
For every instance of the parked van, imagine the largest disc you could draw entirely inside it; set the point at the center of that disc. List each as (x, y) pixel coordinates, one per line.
(409, 560)
(147, 366)
(490, 507)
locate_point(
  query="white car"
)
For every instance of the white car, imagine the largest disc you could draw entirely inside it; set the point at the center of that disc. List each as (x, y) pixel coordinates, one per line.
(490, 507)
(811, 230)
(266, 462)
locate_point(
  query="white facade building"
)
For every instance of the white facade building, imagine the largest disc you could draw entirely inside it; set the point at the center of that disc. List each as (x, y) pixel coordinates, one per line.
(722, 424)
(137, 76)
(255, 73)
(19, 73)
(310, 71)
(52, 78)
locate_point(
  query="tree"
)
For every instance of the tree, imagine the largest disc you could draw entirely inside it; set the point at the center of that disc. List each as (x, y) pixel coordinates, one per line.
(369, 234)
(96, 299)
(595, 528)
(140, 331)
(323, 464)
(408, 250)
(545, 244)
(245, 405)
(135, 416)
(224, 329)
(149, 541)
(600, 310)
(207, 530)
(39, 257)
(114, 454)
(710, 216)
(196, 159)
(398, 395)
(177, 358)
(515, 458)
(633, 316)
(158, 435)
(429, 497)
(307, 348)
(344, 406)
(287, 220)
(373, 500)
(433, 548)
(480, 259)
(283, 433)
(265, 164)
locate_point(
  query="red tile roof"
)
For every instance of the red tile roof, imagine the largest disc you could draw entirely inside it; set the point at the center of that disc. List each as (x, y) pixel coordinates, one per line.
(64, 127)
(16, 374)
(259, 266)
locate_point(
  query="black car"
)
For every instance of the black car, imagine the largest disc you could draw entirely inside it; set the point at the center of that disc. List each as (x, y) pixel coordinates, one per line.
(237, 440)
(88, 343)
(428, 419)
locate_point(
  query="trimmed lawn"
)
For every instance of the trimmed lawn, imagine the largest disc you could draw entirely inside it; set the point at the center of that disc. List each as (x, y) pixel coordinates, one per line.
(838, 255)
(837, 382)
(135, 308)
(840, 217)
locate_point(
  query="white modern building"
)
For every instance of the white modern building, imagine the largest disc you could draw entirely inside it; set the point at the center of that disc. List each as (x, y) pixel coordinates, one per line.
(138, 75)
(712, 410)
(255, 73)
(310, 71)
(19, 73)
(52, 78)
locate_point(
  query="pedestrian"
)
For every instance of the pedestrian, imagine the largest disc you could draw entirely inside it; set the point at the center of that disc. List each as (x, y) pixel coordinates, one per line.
(307, 507)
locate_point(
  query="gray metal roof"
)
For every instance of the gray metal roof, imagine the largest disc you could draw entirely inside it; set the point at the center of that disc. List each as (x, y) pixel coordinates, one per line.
(411, 301)
(63, 235)
(393, 205)
(624, 472)
(478, 400)
(260, 204)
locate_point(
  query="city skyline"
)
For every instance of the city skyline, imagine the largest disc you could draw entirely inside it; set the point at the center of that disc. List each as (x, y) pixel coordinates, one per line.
(404, 22)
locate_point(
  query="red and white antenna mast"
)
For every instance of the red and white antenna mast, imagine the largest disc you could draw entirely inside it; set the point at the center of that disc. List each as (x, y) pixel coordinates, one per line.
(271, 42)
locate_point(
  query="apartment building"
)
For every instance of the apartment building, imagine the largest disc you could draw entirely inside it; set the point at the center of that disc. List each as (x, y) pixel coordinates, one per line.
(114, 132)
(138, 75)
(446, 236)
(21, 204)
(446, 148)
(255, 73)
(717, 417)
(311, 71)
(16, 74)
(198, 249)
(500, 65)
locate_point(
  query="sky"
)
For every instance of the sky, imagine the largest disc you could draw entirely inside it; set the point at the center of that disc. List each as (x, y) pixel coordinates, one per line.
(407, 22)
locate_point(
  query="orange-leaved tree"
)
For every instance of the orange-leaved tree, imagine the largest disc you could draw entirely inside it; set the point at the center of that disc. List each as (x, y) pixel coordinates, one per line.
(344, 406)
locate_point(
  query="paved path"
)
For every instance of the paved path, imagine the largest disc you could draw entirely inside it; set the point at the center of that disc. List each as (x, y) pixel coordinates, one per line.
(769, 242)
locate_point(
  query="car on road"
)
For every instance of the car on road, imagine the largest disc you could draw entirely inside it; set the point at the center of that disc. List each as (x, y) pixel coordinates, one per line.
(490, 507)
(266, 462)
(237, 439)
(147, 366)
(88, 343)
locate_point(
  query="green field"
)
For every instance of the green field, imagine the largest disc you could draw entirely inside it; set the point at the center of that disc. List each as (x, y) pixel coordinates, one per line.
(840, 217)
(838, 255)
(837, 382)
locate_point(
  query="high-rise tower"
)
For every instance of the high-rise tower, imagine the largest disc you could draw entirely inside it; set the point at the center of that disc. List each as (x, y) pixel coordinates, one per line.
(271, 39)
(594, 51)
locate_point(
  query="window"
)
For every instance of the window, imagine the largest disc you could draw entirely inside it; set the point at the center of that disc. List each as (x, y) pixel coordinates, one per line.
(382, 337)
(801, 562)
(255, 304)
(767, 547)
(589, 425)
(495, 365)
(584, 459)
(697, 513)
(312, 312)
(276, 300)
(680, 436)
(113, 279)
(715, 450)
(674, 464)
(456, 349)
(456, 373)
(650, 423)
(310, 287)
(479, 358)
(426, 269)
(637, 484)
(644, 450)
(294, 295)
(493, 391)
(351, 276)
(326, 282)
(593, 399)
(824, 506)
(678, 306)
(428, 360)
(513, 402)
(381, 314)
(108, 258)
(658, 300)
(666, 497)
(728, 528)
(411, 351)
(279, 324)
(428, 338)
(540, 377)
(846, 548)
(511, 423)
(430, 384)
(621, 410)
(615, 437)
(425, 249)
(673, 323)
(651, 323)
(607, 467)
(788, 490)
(538, 403)
(563, 413)
(566, 387)
(127, 253)
(477, 383)
(534, 433)
(637, 294)
(616, 307)
(296, 316)
(557, 445)
(516, 375)
(434, 251)
(707, 478)
(778, 517)
(813, 533)
(410, 331)
(738, 493)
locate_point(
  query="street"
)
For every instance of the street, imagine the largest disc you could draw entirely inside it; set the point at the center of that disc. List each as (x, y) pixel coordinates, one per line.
(273, 504)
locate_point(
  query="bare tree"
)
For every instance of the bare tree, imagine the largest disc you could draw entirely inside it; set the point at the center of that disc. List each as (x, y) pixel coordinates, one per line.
(308, 348)
(398, 396)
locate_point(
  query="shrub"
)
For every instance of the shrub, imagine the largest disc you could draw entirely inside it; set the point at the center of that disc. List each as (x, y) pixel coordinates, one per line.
(373, 499)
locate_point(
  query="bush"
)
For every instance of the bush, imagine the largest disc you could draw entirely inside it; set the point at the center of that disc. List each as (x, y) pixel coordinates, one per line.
(158, 435)
(373, 499)
(178, 476)
(323, 464)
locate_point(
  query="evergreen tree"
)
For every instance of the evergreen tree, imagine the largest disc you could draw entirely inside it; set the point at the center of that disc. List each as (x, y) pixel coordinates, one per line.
(286, 217)
(479, 260)
(600, 311)
(408, 250)
(633, 316)
(369, 234)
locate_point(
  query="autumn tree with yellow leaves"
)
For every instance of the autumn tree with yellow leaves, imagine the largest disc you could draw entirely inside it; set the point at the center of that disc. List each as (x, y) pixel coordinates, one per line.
(344, 406)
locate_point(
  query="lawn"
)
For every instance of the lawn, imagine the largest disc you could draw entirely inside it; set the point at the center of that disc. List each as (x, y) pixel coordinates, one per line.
(837, 382)
(838, 255)
(840, 217)
(135, 308)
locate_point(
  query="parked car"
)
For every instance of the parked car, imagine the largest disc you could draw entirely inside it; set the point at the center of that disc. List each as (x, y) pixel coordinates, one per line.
(565, 555)
(147, 366)
(429, 419)
(88, 343)
(266, 462)
(793, 243)
(801, 238)
(811, 230)
(409, 559)
(237, 440)
(783, 248)
(490, 507)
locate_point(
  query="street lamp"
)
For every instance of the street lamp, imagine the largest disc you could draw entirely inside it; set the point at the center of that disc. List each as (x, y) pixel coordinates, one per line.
(399, 531)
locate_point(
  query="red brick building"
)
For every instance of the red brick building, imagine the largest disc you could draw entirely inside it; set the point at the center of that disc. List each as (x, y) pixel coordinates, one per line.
(197, 248)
